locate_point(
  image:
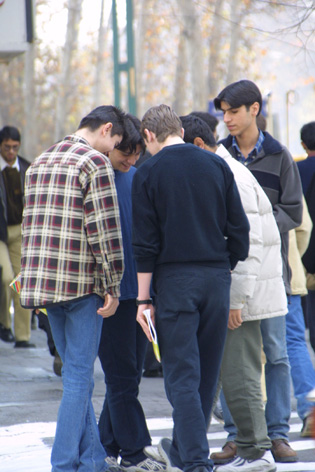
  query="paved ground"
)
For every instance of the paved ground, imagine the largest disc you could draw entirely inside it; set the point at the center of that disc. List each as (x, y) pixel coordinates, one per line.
(29, 398)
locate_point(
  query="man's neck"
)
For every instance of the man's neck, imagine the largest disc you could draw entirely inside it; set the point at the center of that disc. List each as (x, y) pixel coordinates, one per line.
(247, 140)
(170, 141)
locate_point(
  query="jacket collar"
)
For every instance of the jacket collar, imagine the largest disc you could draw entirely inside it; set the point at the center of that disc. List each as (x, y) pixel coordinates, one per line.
(270, 145)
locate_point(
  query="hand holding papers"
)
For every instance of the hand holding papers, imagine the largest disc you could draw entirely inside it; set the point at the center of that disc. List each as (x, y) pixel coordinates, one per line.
(155, 345)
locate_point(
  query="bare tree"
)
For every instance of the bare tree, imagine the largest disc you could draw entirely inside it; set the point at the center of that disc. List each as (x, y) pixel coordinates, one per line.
(236, 16)
(180, 77)
(192, 35)
(100, 57)
(30, 129)
(74, 17)
(215, 44)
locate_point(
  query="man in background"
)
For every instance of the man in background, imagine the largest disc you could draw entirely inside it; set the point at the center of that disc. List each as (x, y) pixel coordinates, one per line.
(12, 178)
(307, 172)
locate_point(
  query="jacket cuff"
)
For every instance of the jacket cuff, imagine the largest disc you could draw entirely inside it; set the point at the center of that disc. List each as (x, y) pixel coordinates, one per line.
(114, 291)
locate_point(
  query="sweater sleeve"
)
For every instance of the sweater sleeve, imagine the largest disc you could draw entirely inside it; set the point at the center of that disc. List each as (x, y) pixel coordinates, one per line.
(145, 228)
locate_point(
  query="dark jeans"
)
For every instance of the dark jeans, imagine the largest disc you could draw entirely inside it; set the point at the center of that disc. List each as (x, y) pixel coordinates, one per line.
(192, 311)
(122, 424)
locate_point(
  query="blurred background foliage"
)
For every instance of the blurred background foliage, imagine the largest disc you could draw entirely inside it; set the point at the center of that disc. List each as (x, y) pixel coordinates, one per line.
(186, 51)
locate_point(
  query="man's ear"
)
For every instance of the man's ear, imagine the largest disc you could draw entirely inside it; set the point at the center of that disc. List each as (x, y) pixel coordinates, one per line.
(304, 146)
(255, 108)
(199, 142)
(148, 135)
(183, 133)
(106, 128)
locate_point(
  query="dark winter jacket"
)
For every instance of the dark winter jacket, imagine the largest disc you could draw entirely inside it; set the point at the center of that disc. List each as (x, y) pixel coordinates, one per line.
(278, 175)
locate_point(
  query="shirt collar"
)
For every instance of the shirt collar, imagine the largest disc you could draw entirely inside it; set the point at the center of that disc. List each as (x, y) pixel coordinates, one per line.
(254, 152)
(4, 164)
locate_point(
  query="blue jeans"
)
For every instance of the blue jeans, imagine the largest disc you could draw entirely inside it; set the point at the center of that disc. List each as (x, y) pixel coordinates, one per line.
(192, 306)
(278, 381)
(76, 329)
(302, 370)
(278, 377)
(122, 424)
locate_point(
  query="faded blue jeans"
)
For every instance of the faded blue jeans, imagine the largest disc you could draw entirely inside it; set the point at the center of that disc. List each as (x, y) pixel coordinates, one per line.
(76, 329)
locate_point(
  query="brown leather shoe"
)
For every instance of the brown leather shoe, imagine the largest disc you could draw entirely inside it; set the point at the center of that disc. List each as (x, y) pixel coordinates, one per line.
(228, 453)
(282, 451)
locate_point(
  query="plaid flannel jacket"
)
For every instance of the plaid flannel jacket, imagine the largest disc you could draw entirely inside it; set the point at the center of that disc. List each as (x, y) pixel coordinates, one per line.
(72, 243)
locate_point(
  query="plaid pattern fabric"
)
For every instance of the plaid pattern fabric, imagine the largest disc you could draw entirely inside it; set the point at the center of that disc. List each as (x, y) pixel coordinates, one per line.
(72, 243)
(254, 153)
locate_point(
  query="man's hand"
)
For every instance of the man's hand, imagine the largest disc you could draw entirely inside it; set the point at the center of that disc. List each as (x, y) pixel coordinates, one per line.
(142, 319)
(110, 306)
(235, 319)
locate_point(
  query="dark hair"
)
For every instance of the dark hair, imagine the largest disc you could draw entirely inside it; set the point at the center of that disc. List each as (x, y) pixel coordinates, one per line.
(132, 136)
(10, 132)
(162, 121)
(102, 115)
(308, 135)
(243, 92)
(261, 122)
(211, 120)
(195, 127)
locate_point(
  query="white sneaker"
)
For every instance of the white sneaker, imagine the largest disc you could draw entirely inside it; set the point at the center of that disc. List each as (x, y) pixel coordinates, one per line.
(265, 464)
(147, 465)
(161, 454)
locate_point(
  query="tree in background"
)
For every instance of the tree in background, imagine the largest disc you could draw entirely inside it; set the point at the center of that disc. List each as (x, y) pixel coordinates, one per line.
(185, 52)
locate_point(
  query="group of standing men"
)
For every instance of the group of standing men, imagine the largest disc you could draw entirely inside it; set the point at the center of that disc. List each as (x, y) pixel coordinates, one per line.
(92, 224)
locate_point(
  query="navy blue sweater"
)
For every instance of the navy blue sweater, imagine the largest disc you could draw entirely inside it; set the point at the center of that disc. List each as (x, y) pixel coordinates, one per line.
(129, 284)
(187, 209)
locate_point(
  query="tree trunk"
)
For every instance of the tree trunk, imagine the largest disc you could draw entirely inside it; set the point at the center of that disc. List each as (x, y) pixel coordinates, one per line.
(29, 134)
(215, 48)
(70, 48)
(100, 59)
(180, 78)
(140, 56)
(236, 16)
(192, 33)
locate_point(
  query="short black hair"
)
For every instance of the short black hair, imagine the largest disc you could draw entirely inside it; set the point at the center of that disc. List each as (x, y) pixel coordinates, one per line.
(195, 127)
(102, 115)
(132, 136)
(10, 132)
(211, 120)
(308, 135)
(244, 92)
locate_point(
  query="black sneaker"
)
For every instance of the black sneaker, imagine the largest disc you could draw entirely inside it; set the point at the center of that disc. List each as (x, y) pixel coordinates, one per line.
(24, 344)
(6, 334)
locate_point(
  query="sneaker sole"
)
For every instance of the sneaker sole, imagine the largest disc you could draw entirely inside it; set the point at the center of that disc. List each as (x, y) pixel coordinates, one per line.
(259, 468)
